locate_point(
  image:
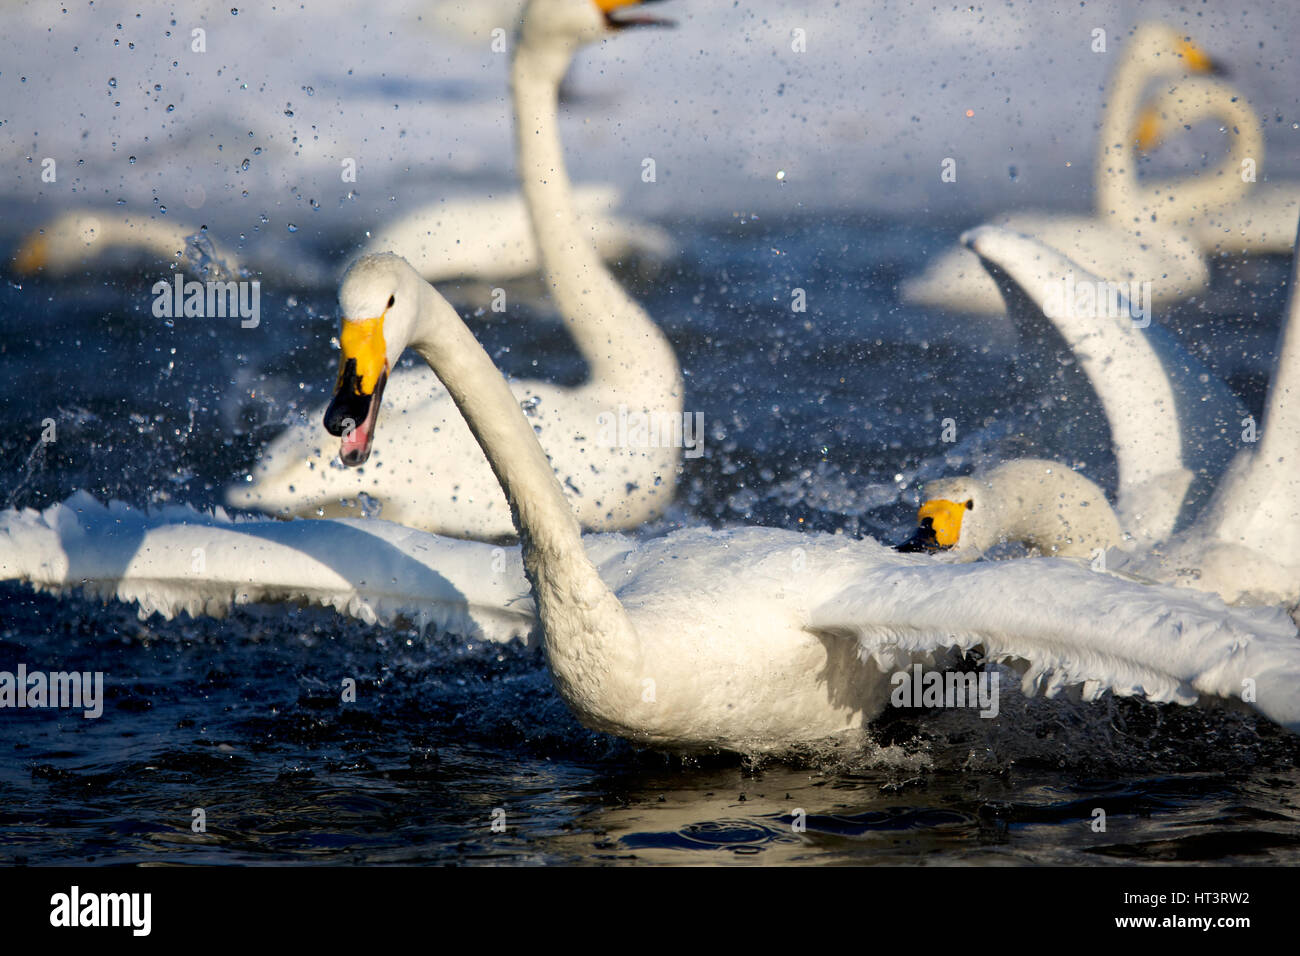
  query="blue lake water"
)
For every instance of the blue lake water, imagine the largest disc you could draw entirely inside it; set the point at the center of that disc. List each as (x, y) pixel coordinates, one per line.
(825, 419)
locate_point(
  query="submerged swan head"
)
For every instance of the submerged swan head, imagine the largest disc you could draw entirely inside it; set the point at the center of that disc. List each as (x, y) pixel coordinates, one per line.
(1041, 504)
(380, 299)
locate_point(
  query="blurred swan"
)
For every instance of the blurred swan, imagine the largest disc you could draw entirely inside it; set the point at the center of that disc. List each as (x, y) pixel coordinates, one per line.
(78, 240)
(1138, 232)
(491, 238)
(615, 441)
(1244, 545)
(87, 240)
(1263, 221)
(753, 640)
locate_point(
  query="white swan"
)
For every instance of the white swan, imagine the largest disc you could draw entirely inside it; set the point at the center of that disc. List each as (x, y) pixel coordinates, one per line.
(76, 240)
(490, 238)
(615, 441)
(1264, 220)
(1043, 505)
(1138, 233)
(1174, 435)
(86, 240)
(752, 640)
(1244, 545)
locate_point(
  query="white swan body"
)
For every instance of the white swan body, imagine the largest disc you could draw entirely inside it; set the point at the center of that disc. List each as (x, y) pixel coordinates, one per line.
(491, 238)
(78, 241)
(759, 639)
(1173, 435)
(756, 640)
(1262, 221)
(615, 474)
(1244, 544)
(1138, 233)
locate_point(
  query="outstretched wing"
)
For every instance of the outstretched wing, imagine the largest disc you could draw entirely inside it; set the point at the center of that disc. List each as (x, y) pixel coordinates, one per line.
(1063, 624)
(178, 559)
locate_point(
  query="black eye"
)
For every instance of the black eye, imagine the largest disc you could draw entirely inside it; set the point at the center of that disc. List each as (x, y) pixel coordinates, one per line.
(970, 504)
(391, 300)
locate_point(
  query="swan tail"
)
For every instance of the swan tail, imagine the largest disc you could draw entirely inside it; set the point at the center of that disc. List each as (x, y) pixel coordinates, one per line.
(1069, 625)
(176, 559)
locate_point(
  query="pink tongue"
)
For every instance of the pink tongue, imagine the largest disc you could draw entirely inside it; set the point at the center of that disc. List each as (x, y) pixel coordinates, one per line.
(356, 442)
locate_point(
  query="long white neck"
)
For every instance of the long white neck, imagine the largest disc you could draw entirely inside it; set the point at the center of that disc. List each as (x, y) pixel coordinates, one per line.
(621, 344)
(1119, 192)
(591, 644)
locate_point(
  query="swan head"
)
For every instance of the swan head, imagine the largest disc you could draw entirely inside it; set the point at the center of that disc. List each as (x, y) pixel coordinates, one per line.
(583, 21)
(1044, 505)
(1163, 47)
(944, 521)
(380, 300)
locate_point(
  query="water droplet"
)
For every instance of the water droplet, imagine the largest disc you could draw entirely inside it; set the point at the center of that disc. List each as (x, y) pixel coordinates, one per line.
(112, 81)
(234, 11)
(244, 165)
(170, 108)
(292, 228)
(780, 174)
(131, 160)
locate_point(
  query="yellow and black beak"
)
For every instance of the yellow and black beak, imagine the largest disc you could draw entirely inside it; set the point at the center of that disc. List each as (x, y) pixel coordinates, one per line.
(363, 373)
(1198, 61)
(611, 7)
(938, 526)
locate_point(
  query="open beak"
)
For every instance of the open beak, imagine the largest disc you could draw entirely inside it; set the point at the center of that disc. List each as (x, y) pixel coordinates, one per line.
(611, 7)
(363, 373)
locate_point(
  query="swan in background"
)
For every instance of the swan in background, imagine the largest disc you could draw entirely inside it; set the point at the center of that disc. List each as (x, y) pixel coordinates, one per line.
(78, 240)
(1244, 545)
(1044, 505)
(490, 238)
(1262, 222)
(1172, 422)
(83, 240)
(427, 475)
(752, 640)
(1138, 232)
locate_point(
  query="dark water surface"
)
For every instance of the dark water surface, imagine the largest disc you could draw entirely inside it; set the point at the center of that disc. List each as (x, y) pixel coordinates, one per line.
(823, 420)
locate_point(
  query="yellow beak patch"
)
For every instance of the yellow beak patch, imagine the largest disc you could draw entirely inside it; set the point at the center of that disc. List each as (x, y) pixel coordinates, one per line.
(363, 341)
(945, 518)
(32, 255)
(1147, 134)
(1198, 61)
(608, 6)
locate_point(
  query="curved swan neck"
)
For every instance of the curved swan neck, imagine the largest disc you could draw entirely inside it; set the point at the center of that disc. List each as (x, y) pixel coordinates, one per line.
(616, 336)
(588, 633)
(1119, 193)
